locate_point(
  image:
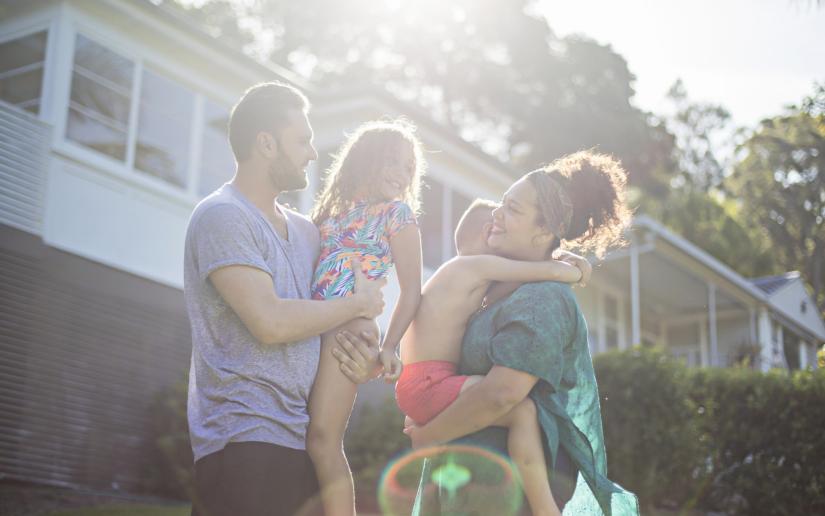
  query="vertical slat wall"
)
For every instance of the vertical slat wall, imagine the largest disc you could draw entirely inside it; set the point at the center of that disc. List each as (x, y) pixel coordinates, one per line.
(83, 351)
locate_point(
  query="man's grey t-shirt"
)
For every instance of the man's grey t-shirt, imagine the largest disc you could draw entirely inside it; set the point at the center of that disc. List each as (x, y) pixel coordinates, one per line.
(241, 390)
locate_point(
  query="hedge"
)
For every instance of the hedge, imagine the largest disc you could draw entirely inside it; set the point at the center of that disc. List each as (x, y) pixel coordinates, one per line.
(734, 441)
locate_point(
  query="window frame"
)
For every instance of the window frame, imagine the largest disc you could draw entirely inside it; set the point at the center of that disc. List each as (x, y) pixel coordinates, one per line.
(19, 30)
(126, 170)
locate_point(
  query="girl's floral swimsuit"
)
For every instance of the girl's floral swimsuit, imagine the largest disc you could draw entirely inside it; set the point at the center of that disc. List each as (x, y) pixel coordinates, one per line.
(363, 232)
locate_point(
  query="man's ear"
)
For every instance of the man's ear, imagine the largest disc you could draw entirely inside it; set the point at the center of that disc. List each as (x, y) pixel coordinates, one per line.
(266, 145)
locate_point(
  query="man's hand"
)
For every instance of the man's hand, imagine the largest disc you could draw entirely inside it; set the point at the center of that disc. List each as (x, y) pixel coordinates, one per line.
(391, 363)
(357, 356)
(577, 261)
(368, 293)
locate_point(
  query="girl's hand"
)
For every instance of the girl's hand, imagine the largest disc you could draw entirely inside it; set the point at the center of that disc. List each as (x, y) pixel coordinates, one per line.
(392, 364)
(579, 262)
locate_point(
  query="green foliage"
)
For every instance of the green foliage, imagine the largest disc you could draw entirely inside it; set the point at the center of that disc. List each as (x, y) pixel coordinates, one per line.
(700, 129)
(127, 510)
(715, 225)
(492, 71)
(767, 440)
(740, 441)
(651, 434)
(373, 441)
(170, 466)
(780, 180)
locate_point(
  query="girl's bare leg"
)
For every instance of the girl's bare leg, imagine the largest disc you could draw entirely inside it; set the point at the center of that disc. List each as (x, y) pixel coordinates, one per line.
(330, 405)
(524, 444)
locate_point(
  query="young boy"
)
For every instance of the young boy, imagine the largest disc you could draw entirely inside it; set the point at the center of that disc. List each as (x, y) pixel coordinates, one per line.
(431, 348)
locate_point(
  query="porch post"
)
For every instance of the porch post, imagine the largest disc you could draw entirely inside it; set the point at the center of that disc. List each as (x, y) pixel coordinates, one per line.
(714, 343)
(703, 343)
(600, 323)
(752, 325)
(803, 355)
(636, 326)
(779, 347)
(765, 340)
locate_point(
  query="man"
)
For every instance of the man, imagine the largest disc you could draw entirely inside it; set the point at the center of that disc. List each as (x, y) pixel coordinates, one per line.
(247, 271)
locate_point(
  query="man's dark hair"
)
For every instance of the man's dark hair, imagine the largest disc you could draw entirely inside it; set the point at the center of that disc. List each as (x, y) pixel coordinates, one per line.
(263, 107)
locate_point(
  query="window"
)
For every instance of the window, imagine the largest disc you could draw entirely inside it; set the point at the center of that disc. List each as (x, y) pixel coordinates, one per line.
(164, 128)
(431, 223)
(217, 161)
(100, 99)
(21, 71)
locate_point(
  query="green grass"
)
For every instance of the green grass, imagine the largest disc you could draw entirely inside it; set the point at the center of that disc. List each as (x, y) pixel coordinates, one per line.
(127, 510)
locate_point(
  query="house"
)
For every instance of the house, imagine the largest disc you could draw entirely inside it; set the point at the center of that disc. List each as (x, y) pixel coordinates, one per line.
(112, 127)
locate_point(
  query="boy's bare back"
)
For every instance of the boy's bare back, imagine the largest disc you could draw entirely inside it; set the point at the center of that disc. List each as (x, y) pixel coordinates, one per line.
(448, 300)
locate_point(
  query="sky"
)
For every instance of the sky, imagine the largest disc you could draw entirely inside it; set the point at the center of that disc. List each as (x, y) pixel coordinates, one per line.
(752, 56)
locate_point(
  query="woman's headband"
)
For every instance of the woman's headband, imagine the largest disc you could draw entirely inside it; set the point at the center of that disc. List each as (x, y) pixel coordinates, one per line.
(554, 203)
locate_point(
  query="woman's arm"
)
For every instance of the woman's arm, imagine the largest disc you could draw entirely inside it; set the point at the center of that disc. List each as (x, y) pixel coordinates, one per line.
(485, 268)
(405, 246)
(476, 408)
(531, 331)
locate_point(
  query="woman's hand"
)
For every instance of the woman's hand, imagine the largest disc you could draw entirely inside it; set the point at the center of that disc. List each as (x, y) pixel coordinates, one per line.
(391, 363)
(415, 434)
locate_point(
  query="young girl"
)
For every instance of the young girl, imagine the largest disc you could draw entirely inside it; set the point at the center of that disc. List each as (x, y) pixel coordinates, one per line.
(366, 215)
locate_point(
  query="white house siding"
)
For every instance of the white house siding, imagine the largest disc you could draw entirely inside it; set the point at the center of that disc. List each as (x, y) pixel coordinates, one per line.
(108, 220)
(790, 300)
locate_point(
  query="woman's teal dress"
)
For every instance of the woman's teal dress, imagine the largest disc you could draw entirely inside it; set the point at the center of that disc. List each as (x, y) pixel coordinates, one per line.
(540, 330)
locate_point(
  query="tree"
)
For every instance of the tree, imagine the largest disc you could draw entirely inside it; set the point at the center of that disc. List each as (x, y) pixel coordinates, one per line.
(701, 130)
(493, 71)
(695, 205)
(780, 179)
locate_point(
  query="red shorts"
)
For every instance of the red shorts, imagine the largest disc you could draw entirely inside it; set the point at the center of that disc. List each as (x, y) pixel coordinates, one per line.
(426, 388)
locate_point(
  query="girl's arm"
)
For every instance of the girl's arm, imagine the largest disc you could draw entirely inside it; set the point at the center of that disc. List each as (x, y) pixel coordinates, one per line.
(485, 268)
(405, 246)
(502, 389)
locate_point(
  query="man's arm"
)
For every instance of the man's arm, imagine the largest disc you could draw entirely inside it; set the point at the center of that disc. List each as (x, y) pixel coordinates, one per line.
(476, 408)
(485, 268)
(273, 320)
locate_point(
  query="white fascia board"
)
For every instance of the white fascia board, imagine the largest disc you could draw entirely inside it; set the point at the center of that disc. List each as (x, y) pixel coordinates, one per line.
(334, 107)
(245, 66)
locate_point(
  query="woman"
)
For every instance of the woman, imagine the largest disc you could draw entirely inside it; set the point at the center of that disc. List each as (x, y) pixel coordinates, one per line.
(531, 339)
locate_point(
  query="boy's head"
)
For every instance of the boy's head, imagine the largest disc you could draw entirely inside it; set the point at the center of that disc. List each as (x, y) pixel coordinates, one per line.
(474, 227)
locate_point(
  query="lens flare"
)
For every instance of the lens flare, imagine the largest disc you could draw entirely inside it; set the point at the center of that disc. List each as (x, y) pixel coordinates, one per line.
(452, 479)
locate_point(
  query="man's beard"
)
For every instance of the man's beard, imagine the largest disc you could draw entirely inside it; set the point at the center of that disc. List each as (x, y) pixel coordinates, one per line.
(285, 175)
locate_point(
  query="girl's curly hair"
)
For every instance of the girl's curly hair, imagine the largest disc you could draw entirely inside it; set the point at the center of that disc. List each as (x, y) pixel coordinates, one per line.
(360, 160)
